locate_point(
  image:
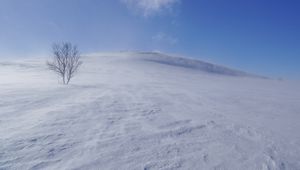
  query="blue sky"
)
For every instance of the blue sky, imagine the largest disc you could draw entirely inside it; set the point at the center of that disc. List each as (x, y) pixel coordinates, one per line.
(259, 36)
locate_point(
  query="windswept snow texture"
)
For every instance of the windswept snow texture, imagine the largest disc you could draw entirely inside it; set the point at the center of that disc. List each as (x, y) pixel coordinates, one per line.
(146, 111)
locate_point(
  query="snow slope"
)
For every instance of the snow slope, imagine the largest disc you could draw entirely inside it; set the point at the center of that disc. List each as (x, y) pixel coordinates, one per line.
(146, 111)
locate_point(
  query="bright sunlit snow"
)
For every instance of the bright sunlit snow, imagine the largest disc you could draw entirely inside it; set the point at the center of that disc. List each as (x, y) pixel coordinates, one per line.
(146, 111)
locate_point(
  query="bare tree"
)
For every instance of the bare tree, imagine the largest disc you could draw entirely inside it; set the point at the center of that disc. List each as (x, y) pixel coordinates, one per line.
(65, 62)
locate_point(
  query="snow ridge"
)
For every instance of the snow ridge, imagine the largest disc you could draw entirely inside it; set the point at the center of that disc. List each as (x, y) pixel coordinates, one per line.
(192, 64)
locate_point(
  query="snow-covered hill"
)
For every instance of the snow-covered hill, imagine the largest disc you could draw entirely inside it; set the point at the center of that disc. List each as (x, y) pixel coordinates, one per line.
(146, 111)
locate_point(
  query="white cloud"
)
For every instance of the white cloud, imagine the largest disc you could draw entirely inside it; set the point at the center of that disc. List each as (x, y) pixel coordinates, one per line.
(150, 7)
(165, 38)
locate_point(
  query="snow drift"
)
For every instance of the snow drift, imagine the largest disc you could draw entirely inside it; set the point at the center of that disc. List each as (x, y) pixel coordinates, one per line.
(146, 111)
